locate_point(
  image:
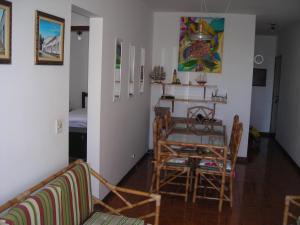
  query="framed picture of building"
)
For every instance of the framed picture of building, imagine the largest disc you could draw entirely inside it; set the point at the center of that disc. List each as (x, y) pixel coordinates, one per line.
(49, 39)
(5, 31)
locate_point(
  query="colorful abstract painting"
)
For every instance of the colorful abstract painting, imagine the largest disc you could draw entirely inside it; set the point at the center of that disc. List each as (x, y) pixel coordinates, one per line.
(201, 44)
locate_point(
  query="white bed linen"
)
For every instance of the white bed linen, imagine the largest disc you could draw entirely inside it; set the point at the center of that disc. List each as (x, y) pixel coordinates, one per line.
(78, 118)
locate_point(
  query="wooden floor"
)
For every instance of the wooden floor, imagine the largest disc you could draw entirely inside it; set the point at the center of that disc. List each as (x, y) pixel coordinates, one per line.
(260, 188)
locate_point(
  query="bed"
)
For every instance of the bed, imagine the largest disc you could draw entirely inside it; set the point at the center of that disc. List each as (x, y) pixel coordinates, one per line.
(78, 130)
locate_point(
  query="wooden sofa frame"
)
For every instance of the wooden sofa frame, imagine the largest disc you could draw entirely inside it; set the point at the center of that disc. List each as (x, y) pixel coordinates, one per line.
(288, 214)
(114, 189)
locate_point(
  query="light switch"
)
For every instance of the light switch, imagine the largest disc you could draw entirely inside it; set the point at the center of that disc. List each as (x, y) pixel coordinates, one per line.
(58, 126)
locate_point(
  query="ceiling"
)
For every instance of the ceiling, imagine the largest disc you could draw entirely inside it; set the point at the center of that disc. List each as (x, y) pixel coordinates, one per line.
(279, 12)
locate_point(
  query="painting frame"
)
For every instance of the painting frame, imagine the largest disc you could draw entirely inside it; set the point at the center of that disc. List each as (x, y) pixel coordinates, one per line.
(201, 43)
(118, 66)
(5, 31)
(49, 50)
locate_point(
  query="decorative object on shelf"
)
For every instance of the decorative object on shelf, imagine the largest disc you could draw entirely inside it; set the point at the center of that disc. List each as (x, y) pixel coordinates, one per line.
(168, 97)
(175, 79)
(49, 39)
(202, 79)
(5, 31)
(201, 44)
(218, 97)
(158, 75)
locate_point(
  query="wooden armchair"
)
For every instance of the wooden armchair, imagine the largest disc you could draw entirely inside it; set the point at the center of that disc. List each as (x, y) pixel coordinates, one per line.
(291, 204)
(74, 206)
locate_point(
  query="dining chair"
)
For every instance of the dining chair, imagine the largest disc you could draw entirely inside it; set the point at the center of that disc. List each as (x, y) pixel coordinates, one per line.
(201, 115)
(168, 123)
(157, 133)
(170, 172)
(292, 203)
(236, 120)
(209, 173)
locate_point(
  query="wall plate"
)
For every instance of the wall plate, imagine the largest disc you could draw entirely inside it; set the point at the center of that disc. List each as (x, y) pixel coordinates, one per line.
(258, 59)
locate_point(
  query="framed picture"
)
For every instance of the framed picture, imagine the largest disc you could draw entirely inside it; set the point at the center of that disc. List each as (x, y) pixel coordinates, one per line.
(117, 69)
(201, 44)
(49, 39)
(5, 31)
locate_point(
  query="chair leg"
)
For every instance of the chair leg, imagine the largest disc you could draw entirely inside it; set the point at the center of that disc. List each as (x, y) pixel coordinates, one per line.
(222, 193)
(187, 185)
(231, 190)
(195, 186)
(153, 180)
(157, 178)
(192, 175)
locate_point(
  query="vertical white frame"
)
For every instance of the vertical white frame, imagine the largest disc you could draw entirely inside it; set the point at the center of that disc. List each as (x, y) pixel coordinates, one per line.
(131, 70)
(117, 71)
(142, 70)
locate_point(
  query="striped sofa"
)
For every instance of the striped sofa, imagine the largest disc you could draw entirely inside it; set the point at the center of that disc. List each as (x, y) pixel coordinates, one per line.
(66, 199)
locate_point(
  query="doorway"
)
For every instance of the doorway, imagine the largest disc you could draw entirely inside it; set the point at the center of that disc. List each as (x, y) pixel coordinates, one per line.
(276, 91)
(78, 87)
(92, 98)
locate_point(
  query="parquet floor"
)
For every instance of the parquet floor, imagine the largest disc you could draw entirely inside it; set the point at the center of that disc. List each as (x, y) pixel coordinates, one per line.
(259, 191)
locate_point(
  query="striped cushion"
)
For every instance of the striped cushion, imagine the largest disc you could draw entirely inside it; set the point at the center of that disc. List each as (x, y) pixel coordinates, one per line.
(107, 219)
(42, 208)
(76, 194)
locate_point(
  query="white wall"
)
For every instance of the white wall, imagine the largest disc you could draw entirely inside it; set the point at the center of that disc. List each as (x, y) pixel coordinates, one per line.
(288, 122)
(79, 61)
(124, 124)
(236, 78)
(33, 97)
(261, 103)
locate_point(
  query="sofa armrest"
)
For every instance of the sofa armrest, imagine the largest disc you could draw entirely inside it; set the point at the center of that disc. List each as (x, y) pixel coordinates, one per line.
(149, 198)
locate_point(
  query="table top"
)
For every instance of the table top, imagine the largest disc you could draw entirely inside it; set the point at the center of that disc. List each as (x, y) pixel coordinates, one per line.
(206, 136)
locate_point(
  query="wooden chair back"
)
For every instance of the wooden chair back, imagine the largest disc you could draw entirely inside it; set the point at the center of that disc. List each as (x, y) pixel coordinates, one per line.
(236, 120)
(167, 121)
(157, 132)
(207, 113)
(192, 116)
(235, 144)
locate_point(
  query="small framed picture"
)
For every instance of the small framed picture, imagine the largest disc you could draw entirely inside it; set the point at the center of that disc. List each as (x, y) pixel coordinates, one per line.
(5, 31)
(49, 39)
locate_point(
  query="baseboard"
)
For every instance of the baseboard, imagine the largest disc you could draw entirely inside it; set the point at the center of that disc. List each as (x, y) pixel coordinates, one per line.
(130, 172)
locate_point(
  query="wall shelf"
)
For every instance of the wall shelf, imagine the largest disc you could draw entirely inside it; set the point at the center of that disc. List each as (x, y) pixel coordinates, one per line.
(194, 100)
(185, 85)
(190, 99)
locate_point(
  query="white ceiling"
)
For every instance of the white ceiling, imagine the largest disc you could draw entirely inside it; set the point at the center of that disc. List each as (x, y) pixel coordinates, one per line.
(280, 12)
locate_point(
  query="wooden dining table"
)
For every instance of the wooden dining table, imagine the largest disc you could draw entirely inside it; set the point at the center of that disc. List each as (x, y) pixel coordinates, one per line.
(198, 142)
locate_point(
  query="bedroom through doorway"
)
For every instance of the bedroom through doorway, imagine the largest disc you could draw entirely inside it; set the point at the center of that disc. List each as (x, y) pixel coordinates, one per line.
(78, 90)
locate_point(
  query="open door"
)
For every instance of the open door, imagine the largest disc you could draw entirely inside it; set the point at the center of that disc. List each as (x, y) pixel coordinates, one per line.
(276, 90)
